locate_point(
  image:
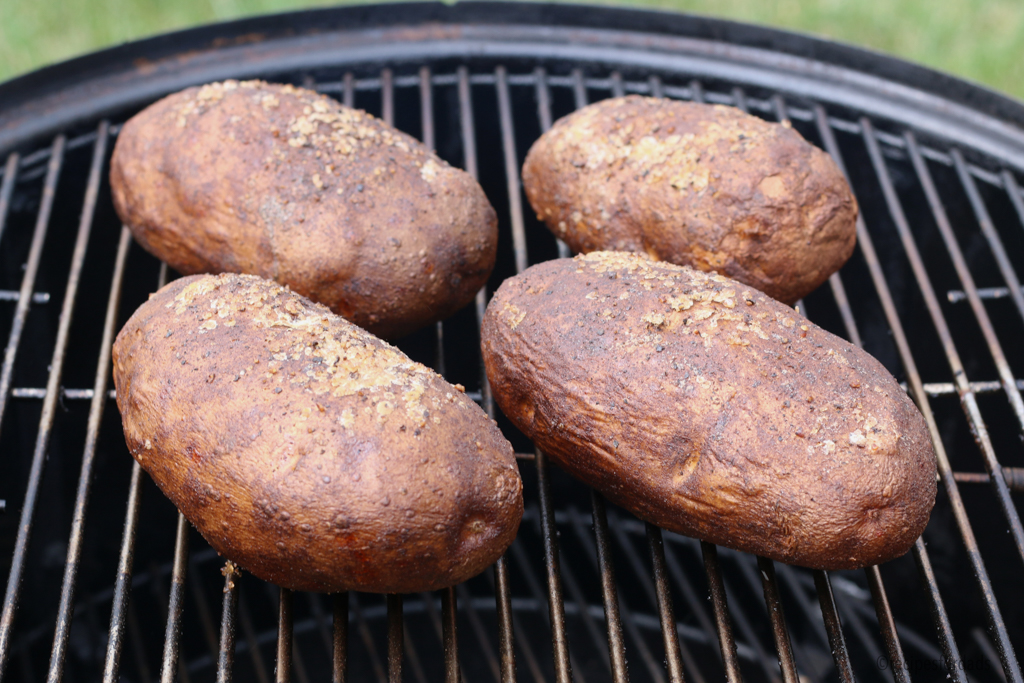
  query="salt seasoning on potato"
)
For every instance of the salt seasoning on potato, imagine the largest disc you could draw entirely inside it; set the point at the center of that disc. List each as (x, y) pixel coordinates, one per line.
(710, 409)
(291, 185)
(694, 184)
(306, 450)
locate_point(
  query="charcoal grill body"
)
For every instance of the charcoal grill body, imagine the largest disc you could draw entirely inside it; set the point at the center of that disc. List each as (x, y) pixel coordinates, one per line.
(104, 579)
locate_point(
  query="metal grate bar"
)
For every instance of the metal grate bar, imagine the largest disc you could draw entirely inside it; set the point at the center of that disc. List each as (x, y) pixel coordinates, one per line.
(989, 230)
(508, 144)
(917, 391)
(28, 281)
(654, 87)
(349, 90)
(65, 610)
(476, 627)
(285, 636)
(563, 670)
(339, 659)
(532, 662)
(155, 573)
(716, 587)
(616, 84)
(449, 619)
(7, 188)
(176, 603)
(427, 107)
(122, 584)
(543, 92)
(505, 624)
(773, 601)
(696, 91)
(226, 658)
(953, 296)
(967, 398)
(579, 89)
(11, 295)
(387, 97)
(897, 662)
(833, 626)
(285, 622)
(843, 303)
(950, 651)
(395, 637)
(666, 614)
(616, 644)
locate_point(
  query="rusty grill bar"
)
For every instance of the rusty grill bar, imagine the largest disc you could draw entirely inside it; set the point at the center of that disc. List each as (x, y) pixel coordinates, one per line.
(651, 622)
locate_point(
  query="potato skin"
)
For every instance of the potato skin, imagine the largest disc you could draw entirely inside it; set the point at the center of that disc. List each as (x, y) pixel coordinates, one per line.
(306, 450)
(700, 185)
(707, 408)
(284, 183)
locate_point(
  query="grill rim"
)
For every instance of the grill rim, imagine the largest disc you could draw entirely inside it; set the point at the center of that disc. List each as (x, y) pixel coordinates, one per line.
(100, 84)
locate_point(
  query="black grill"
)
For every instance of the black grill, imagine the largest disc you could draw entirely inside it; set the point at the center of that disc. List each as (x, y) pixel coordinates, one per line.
(107, 582)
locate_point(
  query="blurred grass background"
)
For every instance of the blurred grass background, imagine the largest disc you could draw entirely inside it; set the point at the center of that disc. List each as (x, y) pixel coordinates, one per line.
(981, 40)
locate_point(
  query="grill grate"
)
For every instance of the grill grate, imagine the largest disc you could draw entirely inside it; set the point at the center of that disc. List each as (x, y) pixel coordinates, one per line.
(621, 600)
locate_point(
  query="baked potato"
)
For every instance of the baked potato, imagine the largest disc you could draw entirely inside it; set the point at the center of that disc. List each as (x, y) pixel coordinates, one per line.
(701, 185)
(304, 449)
(708, 408)
(288, 184)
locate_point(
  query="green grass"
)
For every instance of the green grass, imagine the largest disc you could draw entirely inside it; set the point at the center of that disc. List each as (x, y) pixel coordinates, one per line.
(981, 40)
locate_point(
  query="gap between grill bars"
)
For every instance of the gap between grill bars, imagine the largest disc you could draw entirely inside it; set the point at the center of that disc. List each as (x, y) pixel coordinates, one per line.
(612, 632)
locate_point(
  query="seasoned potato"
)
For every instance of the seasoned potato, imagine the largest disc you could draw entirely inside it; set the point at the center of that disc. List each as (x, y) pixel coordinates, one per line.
(306, 450)
(284, 183)
(708, 408)
(698, 185)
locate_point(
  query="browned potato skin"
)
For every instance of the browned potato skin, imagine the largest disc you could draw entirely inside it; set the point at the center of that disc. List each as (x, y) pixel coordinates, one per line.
(709, 409)
(306, 450)
(291, 185)
(694, 184)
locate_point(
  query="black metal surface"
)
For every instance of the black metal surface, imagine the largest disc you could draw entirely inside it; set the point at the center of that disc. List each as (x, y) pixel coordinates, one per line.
(942, 211)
